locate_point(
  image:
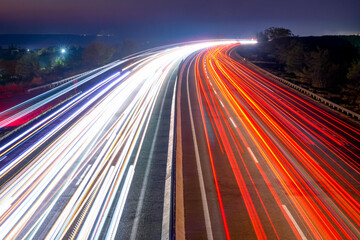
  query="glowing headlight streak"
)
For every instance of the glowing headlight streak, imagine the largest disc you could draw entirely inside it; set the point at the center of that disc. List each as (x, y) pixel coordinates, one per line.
(79, 126)
(12, 142)
(17, 112)
(30, 197)
(35, 174)
(18, 140)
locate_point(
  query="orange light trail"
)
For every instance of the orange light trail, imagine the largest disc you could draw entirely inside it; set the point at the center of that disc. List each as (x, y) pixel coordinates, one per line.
(307, 157)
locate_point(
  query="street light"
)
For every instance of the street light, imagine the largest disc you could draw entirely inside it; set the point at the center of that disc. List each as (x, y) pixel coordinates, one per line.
(63, 50)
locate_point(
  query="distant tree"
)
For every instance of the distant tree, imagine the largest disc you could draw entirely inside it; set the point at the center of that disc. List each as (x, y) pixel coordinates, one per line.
(277, 32)
(354, 72)
(321, 71)
(126, 48)
(281, 52)
(97, 53)
(316, 67)
(261, 37)
(74, 56)
(354, 40)
(353, 77)
(28, 66)
(8, 67)
(273, 33)
(295, 59)
(47, 57)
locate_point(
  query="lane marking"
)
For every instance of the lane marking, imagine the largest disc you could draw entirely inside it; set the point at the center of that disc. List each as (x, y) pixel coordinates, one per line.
(198, 166)
(115, 220)
(266, 87)
(3, 158)
(252, 155)
(83, 175)
(165, 233)
(302, 235)
(233, 122)
(221, 103)
(147, 169)
(179, 180)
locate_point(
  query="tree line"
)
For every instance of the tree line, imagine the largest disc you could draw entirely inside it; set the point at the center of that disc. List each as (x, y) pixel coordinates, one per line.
(327, 64)
(21, 68)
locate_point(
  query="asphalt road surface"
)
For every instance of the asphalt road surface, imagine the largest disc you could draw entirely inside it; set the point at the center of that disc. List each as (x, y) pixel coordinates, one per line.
(259, 160)
(182, 141)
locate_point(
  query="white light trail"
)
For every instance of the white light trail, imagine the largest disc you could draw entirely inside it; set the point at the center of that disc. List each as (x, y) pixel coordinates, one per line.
(99, 145)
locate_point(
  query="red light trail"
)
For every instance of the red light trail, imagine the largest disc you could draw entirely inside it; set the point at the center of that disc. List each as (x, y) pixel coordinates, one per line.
(295, 165)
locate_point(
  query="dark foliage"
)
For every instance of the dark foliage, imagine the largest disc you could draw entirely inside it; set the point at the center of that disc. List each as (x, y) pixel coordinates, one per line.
(354, 82)
(97, 53)
(273, 33)
(327, 63)
(21, 69)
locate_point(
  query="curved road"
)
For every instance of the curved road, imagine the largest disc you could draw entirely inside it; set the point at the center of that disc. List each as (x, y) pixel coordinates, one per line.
(182, 141)
(260, 160)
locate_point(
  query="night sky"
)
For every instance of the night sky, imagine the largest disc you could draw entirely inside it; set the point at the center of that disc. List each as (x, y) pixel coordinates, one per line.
(179, 18)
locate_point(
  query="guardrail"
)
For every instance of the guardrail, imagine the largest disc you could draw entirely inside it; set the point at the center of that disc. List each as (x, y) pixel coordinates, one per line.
(57, 83)
(304, 91)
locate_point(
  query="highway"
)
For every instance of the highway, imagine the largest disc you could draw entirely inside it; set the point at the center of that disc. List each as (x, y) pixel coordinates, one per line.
(67, 172)
(260, 160)
(181, 141)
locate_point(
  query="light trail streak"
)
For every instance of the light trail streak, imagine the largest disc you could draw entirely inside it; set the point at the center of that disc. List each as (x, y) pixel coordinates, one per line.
(34, 106)
(309, 158)
(88, 168)
(33, 130)
(280, 166)
(294, 222)
(199, 170)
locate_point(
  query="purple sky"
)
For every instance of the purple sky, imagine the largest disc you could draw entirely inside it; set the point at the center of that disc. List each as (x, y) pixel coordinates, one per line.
(179, 18)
